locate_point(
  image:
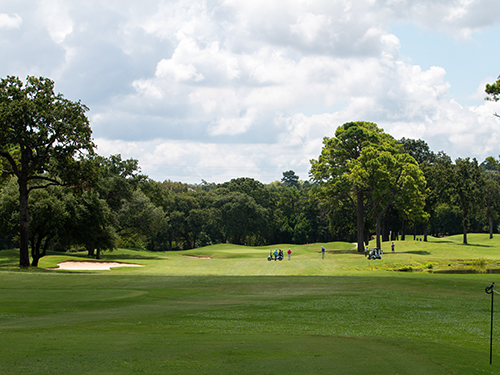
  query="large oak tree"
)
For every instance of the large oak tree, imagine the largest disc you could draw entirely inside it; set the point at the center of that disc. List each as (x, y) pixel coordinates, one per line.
(42, 134)
(368, 167)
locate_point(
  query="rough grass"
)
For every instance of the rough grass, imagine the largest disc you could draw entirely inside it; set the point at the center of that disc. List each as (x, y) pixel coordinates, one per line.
(239, 313)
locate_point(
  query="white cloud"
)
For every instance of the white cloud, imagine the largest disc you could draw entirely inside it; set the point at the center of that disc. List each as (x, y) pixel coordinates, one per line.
(216, 89)
(10, 22)
(179, 72)
(309, 25)
(55, 15)
(232, 125)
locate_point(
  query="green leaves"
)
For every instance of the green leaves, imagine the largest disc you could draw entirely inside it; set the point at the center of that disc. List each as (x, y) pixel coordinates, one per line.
(45, 128)
(363, 162)
(493, 90)
(42, 135)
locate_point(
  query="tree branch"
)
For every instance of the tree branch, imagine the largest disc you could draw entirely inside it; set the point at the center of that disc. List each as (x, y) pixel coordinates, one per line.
(11, 161)
(52, 182)
(42, 186)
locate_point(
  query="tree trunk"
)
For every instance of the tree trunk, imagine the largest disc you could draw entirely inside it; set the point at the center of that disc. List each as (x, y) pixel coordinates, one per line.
(490, 218)
(414, 231)
(386, 233)
(98, 254)
(360, 221)
(379, 217)
(426, 225)
(24, 254)
(465, 231)
(403, 230)
(35, 250)
(379, 225)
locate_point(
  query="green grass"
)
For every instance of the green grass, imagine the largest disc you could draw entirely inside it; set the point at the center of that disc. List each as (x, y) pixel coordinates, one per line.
(239, 313)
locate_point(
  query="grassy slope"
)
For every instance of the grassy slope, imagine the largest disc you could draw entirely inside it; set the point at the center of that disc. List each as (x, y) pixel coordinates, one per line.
(340, 259)
(182, 315)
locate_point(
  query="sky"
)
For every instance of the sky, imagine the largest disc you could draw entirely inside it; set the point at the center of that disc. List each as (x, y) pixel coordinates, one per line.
(214, 90)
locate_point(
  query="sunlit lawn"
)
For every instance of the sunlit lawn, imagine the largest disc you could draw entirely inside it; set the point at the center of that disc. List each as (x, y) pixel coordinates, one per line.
(239, 313)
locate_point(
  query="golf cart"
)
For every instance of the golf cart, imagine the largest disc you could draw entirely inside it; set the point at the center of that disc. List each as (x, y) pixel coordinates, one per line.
(375, 253)
(276, 254)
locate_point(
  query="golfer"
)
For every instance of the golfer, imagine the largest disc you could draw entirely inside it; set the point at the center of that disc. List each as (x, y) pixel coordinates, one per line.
(289, 253)
(392, 246)
(275, 254)
(323, 252)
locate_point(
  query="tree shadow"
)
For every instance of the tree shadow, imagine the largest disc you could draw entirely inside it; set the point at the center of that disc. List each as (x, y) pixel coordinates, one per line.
(475, 245)
(418, 252)
(111, 256)
(341, 251)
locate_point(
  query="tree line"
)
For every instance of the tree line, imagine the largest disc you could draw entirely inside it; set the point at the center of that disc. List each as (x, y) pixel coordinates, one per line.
(58, 194)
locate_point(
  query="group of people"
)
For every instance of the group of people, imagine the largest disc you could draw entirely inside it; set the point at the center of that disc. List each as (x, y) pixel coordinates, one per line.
(278, 254)
(376, 252)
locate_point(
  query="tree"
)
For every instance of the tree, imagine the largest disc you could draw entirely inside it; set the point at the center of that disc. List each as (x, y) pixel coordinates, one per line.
(467, 183)
(48, 214)
(392, 174)
(41, 134)
(139, 216)
(493, 92)
(89, 223)
(491, 190)
(366, 166)
(118, 179)
(290, 179)
(333, 170)
(242, 217)
(491, 194)
(438, 174)
(253, 188)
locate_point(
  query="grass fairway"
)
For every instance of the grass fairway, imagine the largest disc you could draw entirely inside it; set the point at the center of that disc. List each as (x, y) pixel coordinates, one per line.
(239, 313)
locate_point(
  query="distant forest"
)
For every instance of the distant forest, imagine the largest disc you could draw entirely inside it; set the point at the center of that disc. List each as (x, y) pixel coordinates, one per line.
(127, 209)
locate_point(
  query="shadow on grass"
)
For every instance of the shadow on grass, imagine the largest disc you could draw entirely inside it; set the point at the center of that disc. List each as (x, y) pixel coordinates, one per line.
(342, 251)
(110, 256)
(8, 264)
(475, 245)
(418, 252)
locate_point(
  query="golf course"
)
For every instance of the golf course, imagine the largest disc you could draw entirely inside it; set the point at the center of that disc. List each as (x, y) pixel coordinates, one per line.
(226, 309)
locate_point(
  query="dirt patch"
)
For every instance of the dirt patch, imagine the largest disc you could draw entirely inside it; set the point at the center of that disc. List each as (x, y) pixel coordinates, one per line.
(92, 266)
(197, 256)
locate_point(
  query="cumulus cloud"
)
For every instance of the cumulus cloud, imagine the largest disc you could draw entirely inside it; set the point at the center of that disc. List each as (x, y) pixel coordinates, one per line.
(10, 22)
(55, 15)
(199, 89)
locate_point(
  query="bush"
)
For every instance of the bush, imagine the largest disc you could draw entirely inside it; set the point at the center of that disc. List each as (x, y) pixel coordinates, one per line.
(130, 242)
(481, 262)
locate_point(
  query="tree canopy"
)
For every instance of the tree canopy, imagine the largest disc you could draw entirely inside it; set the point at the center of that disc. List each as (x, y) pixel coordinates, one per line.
(493, 90)
(368, 167)
(43, 139)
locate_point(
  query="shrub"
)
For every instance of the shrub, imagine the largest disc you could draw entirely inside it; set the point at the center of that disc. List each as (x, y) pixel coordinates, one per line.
(481, 262)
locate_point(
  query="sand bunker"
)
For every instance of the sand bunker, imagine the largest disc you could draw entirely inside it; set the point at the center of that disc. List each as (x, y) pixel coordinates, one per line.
(92, 266)
(197, 256)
